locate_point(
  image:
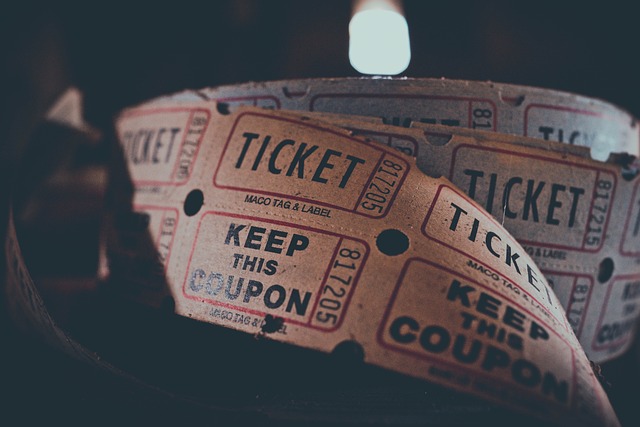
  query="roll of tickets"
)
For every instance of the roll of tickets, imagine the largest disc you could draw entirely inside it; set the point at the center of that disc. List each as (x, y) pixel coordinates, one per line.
(597, 240)
(511, 109)
(278, 224)
(576, 217)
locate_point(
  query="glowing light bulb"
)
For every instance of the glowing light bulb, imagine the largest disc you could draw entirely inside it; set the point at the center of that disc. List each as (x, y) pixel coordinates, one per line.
(379, 38)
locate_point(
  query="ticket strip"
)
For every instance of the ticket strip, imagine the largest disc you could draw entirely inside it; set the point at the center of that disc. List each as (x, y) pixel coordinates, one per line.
(523, 183)
(300, 228)
(510, 109)
(603, 243)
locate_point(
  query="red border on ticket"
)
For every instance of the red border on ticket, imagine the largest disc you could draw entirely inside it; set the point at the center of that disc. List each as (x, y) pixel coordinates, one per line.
(141, 209)
(384, 151)
(624, 338)
(138, 208)
(576, 276)
(308, 322)
(556, 108)
(600, 115)
(565, 163)
(435, 359)
(455, 190)
(633, 203)
(389, 135)
(253, 99)
(191, 112)
(468, 100)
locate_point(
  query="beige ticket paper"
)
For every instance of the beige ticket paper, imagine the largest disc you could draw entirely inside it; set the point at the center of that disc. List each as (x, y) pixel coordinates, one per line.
(504, 108)
(296, 230)
(573, 215)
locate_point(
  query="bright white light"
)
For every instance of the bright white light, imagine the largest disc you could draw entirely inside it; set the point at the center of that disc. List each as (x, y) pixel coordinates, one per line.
(379, 42)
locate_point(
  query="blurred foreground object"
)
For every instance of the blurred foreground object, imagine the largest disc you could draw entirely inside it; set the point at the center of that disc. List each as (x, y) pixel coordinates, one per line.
(379, 37)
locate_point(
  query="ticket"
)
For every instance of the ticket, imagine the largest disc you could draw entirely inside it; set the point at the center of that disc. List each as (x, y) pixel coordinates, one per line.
(300, 231)
(504, 108)
(573, 215)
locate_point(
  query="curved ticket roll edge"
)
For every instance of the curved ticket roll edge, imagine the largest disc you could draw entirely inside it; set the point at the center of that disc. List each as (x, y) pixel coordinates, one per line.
(504, 108)
(289, 227)
(575, 216)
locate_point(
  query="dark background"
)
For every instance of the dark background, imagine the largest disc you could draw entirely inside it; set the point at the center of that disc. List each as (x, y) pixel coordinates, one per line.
(120, 54)
(123, 53)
